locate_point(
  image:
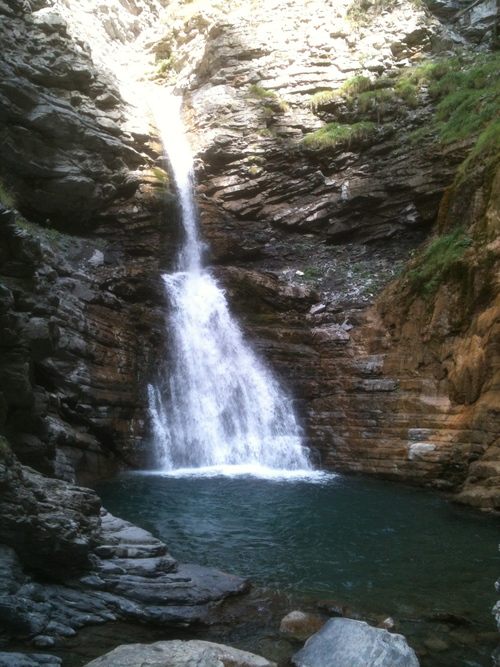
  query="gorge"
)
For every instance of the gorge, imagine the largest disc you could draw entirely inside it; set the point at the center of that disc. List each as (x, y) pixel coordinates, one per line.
(346, 161)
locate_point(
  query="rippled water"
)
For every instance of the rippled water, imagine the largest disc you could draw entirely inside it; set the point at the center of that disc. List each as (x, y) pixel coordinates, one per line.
(382, 548)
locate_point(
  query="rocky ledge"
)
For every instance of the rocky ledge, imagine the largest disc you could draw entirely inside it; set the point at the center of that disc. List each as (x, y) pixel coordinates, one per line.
(66, 563)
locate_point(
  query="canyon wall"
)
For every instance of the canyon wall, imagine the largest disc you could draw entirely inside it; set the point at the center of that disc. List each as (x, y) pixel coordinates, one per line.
(319, 171)
(306, 228)
(85, 229)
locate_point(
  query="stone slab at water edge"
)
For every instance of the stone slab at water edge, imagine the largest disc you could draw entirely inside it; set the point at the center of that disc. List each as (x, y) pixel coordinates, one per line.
(343, 642)
(180, 654)
(101, 568)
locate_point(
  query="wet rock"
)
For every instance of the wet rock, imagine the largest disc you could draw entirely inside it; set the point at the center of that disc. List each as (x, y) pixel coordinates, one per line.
(116, 571)
(335, 609)
(387, 624)
(436, 644)
(29, 660)
(347, 643)
(299, 625)
(179, 654)
(51, 525)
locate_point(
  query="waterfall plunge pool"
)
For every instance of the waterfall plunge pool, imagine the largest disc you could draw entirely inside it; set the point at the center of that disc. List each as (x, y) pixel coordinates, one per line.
(383, 549)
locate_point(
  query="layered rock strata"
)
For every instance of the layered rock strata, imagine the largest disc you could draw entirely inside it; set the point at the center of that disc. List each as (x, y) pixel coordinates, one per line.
(81, 297)
(289, 217)
(102, 568)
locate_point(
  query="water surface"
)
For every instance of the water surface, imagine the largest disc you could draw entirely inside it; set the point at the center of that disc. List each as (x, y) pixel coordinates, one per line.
(383, 548)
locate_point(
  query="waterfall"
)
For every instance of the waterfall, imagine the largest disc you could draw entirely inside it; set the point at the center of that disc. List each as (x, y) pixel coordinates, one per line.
(219, 406)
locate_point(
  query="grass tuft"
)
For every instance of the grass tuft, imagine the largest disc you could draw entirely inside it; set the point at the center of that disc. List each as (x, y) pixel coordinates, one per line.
(7, 197)
(438, 262)
(336, 134)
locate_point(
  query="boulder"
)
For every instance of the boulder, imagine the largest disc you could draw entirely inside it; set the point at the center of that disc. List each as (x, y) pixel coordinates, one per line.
(343, 642)
(179, 653)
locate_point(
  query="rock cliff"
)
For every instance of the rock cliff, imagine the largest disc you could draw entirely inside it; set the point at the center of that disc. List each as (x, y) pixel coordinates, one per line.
(323, 159)
(81, 300)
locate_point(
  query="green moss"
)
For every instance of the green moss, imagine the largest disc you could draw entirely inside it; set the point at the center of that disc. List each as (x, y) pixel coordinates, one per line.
(348, 92)
(487, 148)
(408, 92)
(6, 196)
(438, 262)
(337, 134)
(254, 170)
(467, 93)
(261, 93)
(376, 100)
(5, 449)
(417, 136)
(162, 176)
(324, 97)
(356, 85)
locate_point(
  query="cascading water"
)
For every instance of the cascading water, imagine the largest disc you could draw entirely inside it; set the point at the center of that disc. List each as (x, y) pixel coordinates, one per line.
(219, 406)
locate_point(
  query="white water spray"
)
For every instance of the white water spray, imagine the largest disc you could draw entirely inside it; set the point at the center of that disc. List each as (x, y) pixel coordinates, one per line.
(219, 406)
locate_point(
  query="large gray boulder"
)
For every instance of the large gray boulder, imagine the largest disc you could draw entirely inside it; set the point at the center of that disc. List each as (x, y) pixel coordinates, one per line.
(179, 653)
(343, 642)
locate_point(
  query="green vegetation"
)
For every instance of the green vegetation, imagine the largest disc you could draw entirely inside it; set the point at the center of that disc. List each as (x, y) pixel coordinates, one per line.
(439, 261)
(5, 449)
(162, 177)
(278, 105)
(467, 96)
(336, 134)
(323, 98)
(376, 100)
(407, 91)
(6, 196)
(255, 170)
(356, 85)
(261, 93)
(312, 273)
(164, 67)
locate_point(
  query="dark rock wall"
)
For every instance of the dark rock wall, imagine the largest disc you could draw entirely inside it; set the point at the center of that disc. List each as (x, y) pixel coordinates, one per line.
(81, 297)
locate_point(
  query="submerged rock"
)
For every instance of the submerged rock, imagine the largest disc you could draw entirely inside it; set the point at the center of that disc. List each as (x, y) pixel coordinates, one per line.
(29, 660)
(180, 654)
(343, 642)
(300, 625)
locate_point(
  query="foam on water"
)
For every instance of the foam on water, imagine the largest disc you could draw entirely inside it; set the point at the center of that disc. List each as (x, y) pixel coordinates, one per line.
(248, 470)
